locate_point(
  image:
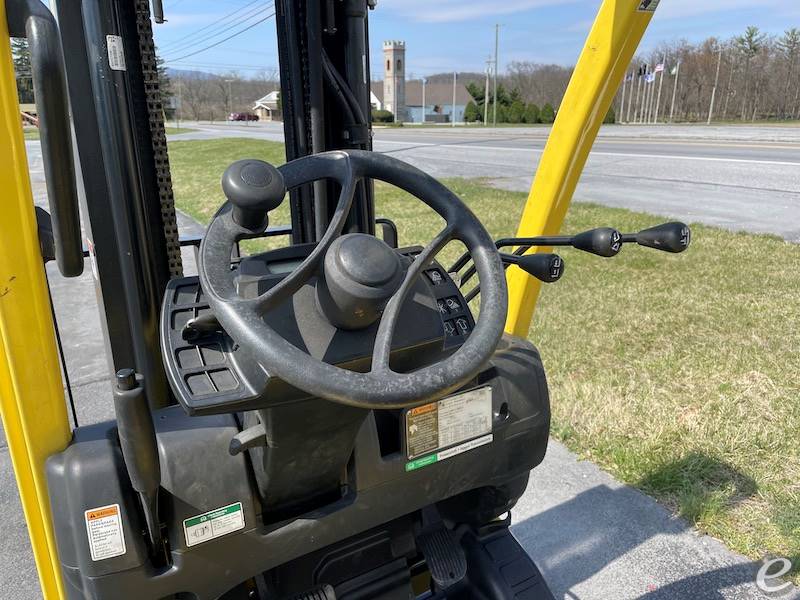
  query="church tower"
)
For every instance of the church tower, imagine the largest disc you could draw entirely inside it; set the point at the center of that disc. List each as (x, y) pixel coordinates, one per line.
(394, 79)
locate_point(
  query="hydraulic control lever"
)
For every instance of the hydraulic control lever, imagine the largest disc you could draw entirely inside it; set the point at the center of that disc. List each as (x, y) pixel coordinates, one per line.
(547, 268)
(669, 237)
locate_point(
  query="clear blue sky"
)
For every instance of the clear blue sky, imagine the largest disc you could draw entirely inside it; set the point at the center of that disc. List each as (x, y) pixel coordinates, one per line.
(448, 35)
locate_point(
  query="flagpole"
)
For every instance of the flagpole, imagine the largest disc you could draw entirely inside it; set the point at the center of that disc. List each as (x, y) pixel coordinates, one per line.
(660, 84)
(638, 91)
(622, 101)
(674, 90)
(630, 96)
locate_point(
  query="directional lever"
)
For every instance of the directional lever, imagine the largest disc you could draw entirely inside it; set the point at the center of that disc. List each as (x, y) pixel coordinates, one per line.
(545, 267)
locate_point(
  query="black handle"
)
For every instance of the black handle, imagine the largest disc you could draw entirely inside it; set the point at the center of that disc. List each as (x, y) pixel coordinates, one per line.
(32, 19)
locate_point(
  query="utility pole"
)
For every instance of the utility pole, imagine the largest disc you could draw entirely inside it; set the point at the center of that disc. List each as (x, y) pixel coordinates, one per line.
(178, 108)
(424, 106)
(486, 94)
(230, 99)
(453, 112)
(496, 51)
(714, 89)
(660, 84)
(674, 90)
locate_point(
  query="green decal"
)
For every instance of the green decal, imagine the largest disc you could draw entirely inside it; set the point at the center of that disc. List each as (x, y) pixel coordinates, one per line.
(422, 462)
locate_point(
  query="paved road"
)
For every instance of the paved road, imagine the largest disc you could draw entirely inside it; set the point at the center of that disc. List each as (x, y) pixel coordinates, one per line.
(741, 178)
(593, 537)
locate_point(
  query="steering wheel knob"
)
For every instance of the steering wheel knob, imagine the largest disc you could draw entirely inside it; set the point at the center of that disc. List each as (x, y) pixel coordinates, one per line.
(360, 274)
(254, 187)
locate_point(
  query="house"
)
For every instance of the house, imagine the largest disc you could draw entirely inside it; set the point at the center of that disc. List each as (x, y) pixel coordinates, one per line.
(268, 108)
(376, 95)
(438, 102)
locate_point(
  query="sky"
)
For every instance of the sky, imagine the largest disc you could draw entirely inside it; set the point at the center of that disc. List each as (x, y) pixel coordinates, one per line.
(449, 35)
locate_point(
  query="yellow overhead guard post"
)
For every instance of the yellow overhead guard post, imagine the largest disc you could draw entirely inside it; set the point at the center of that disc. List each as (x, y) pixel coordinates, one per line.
(615, 35)
(31, 392)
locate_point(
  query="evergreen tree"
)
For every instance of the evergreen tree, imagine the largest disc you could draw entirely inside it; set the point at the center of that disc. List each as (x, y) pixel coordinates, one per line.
(22, 68)
(531, 113)
(547, 114)
(516, 112)
(164, 87)
(471, 113)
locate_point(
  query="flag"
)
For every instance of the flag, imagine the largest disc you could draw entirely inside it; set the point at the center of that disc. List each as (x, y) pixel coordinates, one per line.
(659, 68)
(628, 77)
(673, 70)
(650, 78)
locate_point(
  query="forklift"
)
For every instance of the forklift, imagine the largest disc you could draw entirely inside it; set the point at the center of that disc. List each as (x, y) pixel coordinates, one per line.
(329, 419)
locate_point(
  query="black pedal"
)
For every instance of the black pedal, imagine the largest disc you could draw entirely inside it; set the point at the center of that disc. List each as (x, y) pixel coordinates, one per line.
(323, 592)
(443, 554)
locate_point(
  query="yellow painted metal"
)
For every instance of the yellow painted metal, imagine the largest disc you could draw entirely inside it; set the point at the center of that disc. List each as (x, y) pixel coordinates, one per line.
(31, 391)
(614, 37)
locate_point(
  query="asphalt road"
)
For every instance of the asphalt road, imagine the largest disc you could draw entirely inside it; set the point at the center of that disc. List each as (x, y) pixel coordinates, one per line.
(593, 537)
(740, 178)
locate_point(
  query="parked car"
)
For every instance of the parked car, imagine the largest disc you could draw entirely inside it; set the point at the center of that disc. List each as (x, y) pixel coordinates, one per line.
(242, 116)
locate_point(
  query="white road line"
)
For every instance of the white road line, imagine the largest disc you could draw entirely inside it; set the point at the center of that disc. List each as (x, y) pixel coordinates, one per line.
(412, 145)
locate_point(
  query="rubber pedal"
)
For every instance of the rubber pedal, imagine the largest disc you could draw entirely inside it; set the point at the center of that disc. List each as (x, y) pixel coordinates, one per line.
(323, 592)
(444, 556)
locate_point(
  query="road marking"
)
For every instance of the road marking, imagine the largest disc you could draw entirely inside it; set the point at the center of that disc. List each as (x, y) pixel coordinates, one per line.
(412, 146)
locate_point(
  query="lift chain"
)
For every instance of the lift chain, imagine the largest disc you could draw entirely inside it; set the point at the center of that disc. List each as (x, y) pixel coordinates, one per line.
(158, 135)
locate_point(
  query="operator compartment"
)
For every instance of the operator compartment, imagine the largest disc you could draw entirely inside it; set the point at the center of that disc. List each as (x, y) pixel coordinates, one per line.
(211, 374)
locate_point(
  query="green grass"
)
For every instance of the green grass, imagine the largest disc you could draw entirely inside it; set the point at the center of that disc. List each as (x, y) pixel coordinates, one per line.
(177, 130)
(677, 373)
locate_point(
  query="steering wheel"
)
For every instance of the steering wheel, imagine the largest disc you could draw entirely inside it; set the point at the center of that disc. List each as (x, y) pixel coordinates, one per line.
(381, 387)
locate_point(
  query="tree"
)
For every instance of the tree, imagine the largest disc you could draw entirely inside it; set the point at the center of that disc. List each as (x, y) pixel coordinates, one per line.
(749, 45)
(531, 113)
(22, 68)
(610, 116)
(164, 87)
(547, 114)
(471, 113)
(516, 112)
(789, 47)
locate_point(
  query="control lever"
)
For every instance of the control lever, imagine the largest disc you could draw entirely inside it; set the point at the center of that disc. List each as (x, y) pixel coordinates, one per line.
(547, 268)
(672, 237)
(137, 438)
(31, 19)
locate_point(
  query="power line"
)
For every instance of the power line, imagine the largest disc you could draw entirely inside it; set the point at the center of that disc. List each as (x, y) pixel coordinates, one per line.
(215, 44)
(191, 44)
(179, 41)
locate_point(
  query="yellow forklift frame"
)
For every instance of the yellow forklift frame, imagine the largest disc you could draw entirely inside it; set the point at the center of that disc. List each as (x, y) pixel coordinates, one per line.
(32, 402)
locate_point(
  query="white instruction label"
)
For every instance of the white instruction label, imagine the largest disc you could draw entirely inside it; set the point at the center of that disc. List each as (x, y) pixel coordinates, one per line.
(104, 530)
(449, 421)
(213, 524)
(116, 53)
(648, 5)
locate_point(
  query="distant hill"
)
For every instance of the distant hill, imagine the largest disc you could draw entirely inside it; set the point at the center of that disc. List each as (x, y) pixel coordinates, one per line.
(189, 74)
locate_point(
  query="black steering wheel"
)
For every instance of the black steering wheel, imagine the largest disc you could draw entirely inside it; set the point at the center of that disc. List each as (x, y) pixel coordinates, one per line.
(381, 387)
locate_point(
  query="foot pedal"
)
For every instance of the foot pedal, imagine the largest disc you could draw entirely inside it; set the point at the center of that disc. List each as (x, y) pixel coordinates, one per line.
(443, 554)
(323, 592)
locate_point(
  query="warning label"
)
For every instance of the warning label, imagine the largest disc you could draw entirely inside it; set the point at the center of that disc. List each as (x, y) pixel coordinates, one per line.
(449, 421)
(104, 530)
(116, 53)
(213, 524)
(648, 5)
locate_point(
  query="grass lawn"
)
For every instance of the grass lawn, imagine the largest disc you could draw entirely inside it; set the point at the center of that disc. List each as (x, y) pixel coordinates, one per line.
(677, 373)
(177, 130)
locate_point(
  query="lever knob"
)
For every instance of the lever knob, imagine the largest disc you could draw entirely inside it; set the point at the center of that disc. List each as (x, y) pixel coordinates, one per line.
(254, 188)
